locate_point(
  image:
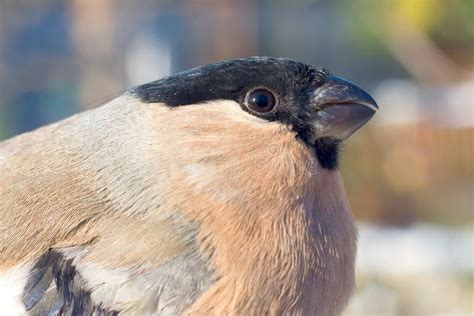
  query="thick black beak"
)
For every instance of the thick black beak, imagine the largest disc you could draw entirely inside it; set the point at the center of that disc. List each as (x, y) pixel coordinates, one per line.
(341, 108)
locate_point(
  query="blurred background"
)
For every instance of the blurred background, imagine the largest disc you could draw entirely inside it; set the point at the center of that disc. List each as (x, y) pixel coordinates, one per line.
(409, 174)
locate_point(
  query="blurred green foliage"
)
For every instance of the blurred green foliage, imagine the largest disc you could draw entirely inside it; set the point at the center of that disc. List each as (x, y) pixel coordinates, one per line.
(448, 23)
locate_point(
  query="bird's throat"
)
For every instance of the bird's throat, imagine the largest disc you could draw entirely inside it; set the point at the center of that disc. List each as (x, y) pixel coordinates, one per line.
(291, 260)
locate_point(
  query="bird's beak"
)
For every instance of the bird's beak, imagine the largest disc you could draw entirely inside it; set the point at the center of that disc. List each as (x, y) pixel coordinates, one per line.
(341, 108)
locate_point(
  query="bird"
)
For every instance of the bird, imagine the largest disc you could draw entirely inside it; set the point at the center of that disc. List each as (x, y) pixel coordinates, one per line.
(214, 191)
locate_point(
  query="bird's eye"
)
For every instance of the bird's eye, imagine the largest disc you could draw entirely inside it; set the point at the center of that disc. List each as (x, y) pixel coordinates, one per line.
(261, 100)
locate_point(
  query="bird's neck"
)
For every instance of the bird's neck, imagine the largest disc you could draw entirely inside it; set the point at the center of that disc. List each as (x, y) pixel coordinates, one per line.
(293, 254)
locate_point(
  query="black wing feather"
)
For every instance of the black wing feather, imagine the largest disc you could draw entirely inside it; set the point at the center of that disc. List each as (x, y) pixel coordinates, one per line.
(56, 288)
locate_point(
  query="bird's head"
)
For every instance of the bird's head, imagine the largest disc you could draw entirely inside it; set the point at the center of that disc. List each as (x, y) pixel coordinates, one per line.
(321, 110)
(248, 149)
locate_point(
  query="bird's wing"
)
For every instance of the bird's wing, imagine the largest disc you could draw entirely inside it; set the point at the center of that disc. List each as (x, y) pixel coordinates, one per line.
(61, 283)
(55, 287)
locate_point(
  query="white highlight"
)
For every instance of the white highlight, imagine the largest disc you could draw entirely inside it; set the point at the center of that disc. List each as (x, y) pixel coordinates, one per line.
(12, 283)
(416, 250)
(148, 59)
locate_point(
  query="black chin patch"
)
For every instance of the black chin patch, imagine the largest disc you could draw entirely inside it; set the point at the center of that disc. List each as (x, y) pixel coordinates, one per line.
(327, 152)
(326, 149)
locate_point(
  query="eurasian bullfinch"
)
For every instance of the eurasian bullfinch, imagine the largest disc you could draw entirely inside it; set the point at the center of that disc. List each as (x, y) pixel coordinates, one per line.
(215, 191)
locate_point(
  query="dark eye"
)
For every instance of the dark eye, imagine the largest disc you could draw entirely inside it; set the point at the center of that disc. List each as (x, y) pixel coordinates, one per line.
(261, 100)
